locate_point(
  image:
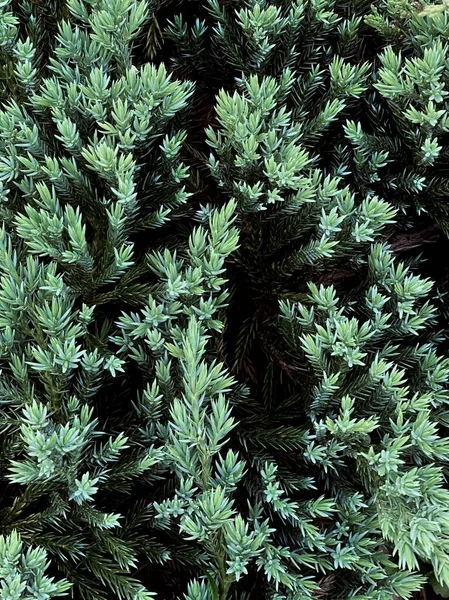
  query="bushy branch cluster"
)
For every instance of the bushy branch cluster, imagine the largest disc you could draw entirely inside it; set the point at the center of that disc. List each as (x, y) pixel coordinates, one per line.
(219, 381)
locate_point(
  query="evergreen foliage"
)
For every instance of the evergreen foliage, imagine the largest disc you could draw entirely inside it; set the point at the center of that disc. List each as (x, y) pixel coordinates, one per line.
(224, 369)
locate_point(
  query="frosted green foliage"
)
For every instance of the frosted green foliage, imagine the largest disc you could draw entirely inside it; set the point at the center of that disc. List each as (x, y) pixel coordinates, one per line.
(89, 157)
(260, 157)
(22, 573)
(292, 445)
(253, 35)
(259, 26)
(8, 25)
(421, 100)
(413, 81)
(187, 413)
(377, 400)
(102, 115)
(315, 190)
(386, 121)
(55, 444)
(188, 419)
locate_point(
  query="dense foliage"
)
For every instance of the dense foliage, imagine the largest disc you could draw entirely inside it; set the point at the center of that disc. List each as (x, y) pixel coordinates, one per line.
(223, 332)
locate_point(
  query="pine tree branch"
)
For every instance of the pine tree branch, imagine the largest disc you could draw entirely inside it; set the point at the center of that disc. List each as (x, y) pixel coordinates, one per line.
(399, 243)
